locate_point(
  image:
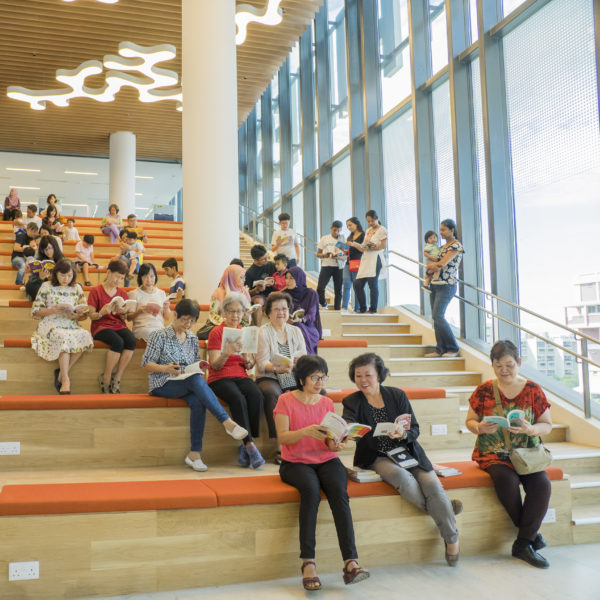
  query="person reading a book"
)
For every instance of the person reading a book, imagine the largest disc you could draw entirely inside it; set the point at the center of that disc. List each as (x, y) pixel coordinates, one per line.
(333, 258)
(132, 225)
(48, 252)
(111, 223)
(285, 241)
(279, 346)
(281, 266)
(51, 201)
(357, 237)
(416, 481)
(310, 463)
(306, 299)
(371, 262)
(152, 310)
(177, 287)
(84, 256)
(60, 304)
(108, 326)
(23, 240)
(228, 377)
(512, 391)
(12, 203)
(52, 220)
(29, 255)
(259, 280)
(168, 353)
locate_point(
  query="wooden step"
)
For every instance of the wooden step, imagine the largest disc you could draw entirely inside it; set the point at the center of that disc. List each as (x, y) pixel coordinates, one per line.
(585, 489)
(401, 350)
(374, 328)
(423, 365)
(385, 338)
(434, 378)
(586, 524)
(367, 317)
(575, 459)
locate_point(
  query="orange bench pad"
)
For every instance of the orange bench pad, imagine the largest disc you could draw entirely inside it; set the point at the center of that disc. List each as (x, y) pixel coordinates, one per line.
(116, 496)
(82, 401)
(268, 489)
(331, 343)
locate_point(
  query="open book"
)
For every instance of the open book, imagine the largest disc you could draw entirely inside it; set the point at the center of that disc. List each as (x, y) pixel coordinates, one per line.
(193, 369)
(119, 304)
(278, 360)
(342, 246)
(153, 308)
(444, 471)
(298, 314)
(512, 418)
(35, 266)
(267, 281)
(338, 429)
(254, 308)
(245, 339)
(401, 424)
(81, 309)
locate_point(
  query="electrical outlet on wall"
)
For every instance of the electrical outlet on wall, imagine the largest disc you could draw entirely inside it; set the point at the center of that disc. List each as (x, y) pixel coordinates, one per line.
(439, 429)
(10, 448)
(18, 571)
(3, 375)
(550, 516)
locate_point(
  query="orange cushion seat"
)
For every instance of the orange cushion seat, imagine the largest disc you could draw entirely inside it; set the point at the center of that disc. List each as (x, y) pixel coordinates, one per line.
(82, 401)
(341, 343)
(268, 489)
(20, 303)
(411, 393)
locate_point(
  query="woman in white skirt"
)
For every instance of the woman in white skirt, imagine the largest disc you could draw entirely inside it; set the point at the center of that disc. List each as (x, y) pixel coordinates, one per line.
(61, 304)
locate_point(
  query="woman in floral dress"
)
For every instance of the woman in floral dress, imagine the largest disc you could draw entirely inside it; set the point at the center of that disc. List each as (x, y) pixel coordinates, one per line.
(59, 336)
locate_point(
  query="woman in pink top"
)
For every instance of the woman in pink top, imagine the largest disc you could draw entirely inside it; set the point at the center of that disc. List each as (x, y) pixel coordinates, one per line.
(310, 464)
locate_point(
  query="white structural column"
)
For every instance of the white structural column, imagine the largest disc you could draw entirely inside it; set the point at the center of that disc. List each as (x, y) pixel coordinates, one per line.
(122, 171)
(210, 153)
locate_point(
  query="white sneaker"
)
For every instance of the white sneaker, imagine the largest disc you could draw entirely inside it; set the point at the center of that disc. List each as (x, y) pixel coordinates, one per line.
(450, 354)
(238, 433)
(432, 355)
(197, 464)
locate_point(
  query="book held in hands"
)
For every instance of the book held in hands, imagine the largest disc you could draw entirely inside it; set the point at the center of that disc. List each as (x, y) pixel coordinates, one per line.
(298, 314)
(119, 304)
(245, 339)
(511, 420)
(362, 475)
(338, 429)
(195, 368)
(401, 424)
(36, 266)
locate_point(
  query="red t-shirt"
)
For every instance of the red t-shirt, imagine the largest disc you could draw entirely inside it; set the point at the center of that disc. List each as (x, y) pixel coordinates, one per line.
(234, 367)
(97, 299)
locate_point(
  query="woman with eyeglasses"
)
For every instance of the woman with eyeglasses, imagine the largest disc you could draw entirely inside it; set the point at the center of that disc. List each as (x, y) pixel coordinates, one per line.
(169, 351)
(228, 379)
(279, 346)
(310, 463)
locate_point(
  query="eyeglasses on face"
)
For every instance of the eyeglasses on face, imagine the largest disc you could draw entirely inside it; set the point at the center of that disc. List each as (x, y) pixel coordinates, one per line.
(317, 378)
(234, 312)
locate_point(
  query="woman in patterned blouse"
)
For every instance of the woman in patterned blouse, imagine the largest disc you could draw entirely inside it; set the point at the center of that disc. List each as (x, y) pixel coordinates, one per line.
(443, 289)
(515, 392)
(169, 351)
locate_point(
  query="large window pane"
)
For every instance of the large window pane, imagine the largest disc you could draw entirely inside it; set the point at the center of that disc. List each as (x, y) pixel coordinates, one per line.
(438, 35)
(555, 147)
(276, 138)
(474, 29)
(342, 193)
(295, 110)
(259, 180)
(338, 85)
(394, 52)
(298, 219)
(509, 5)
(401, 207)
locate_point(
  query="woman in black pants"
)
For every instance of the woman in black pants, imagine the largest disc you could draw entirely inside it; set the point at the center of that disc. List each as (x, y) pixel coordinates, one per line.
(108, 326)
(310, 464)
(228, 379)
(498, 397)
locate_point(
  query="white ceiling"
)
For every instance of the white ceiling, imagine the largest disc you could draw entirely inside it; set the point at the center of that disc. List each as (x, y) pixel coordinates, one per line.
(82, 195)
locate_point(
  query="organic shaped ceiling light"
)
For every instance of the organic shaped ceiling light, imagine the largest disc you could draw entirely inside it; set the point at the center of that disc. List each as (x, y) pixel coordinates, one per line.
(246, 14)
(150, 80)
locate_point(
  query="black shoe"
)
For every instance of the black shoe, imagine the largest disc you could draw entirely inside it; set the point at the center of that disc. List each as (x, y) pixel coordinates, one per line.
(56, 380)
(539, 542)
(524, 550)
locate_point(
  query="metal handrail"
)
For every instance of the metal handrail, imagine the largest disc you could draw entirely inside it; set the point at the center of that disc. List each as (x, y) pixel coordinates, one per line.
(513, 304)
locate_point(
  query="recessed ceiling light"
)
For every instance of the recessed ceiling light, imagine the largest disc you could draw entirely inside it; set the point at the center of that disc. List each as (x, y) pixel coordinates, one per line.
(19, 169)
(79, 173)
(144, 177)
(138, 194)
(23, 187)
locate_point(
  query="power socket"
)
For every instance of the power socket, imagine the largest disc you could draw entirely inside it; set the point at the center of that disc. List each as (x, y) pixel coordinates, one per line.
(3, 375)
(18, 571)
(439, 429)
(550, 516)
(10, 448)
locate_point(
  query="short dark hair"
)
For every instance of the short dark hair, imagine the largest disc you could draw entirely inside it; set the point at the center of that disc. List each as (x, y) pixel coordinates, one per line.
(284, 217)
(63, 266)
(131, 235)
(28, 251)
(372, 214)
(32, 207)
(337, 224)
(368, 358)
(118, 266)
(170, 262)
(51, 196)
(71, 219)
(88, 238)
(257, 251)
(237, 261)
(111, 205)
(144, 270)
(504, 348)
(32, 226)
(450, 224)
(276, 297)
(187, 308)
(429, 234)
(131, 216)
(282, 257)
(307, 365)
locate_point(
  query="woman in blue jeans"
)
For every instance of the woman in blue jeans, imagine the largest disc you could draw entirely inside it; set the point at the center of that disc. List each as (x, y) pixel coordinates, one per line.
(443, 289)
(357, 235)
(168, 352)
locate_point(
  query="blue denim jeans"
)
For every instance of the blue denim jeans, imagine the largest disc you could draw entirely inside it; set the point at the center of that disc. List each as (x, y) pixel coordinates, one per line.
(348, 282)
(18, 262)
(440, 298)
(359, 290)
(195, 391)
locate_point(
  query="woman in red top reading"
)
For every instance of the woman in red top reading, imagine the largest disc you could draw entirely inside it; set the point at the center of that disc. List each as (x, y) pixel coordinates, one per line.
(490, 453)
(310, 464)
(228, 378)
(108, 326)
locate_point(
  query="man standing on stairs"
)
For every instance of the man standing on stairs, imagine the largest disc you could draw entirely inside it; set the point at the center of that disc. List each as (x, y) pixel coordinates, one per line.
(285, 241)
(332, 265)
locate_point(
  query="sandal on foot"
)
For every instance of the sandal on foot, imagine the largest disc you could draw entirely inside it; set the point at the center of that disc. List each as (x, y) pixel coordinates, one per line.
(310, 584)
(115, 386)
(356, 574)
(101, 382)
(57, 380)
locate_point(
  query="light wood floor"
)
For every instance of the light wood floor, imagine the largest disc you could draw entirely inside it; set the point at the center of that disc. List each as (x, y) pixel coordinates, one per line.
(573, 575)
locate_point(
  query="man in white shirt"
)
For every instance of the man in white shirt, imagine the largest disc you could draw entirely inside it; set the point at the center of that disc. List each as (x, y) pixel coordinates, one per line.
(32, 216)
(333, 259)
(285, 241)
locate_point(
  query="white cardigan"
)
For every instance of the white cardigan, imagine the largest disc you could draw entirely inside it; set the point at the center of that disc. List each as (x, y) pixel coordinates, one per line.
(267, 346)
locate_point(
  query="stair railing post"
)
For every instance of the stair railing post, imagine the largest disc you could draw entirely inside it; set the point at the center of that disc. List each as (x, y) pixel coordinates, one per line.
(585, 378)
